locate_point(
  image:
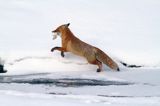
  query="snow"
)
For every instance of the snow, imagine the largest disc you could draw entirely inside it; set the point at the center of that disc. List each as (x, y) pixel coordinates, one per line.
(143, 88)
(127, 31)
(49, 100)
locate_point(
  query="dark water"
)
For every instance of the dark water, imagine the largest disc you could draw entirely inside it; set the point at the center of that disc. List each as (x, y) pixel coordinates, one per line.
(60, 82)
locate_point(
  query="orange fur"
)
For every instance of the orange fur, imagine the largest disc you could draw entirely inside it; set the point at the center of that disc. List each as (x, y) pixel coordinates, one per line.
(71, 43)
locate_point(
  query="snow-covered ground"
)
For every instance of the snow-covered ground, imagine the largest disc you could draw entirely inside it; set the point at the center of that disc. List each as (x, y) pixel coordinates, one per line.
(127, 30)
(129, 87)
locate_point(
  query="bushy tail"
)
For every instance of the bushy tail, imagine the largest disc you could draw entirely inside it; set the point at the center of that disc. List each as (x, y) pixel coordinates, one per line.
(102, 57)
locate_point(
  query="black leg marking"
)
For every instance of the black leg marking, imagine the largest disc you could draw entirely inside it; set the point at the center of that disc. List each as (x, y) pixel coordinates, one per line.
(62, 54)
(52, 50)
(98, 70)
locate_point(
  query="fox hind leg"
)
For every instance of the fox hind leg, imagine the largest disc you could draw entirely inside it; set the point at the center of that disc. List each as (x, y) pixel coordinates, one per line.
(99, 66)
(96, 62)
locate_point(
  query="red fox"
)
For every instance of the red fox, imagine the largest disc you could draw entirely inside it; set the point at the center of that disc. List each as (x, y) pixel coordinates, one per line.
(71, 43)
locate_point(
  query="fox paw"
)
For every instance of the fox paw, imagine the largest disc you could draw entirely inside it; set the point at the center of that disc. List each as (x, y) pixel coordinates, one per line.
(55, 48)
(52, 50)
(98, 70)
(62, 54)
(118, 69)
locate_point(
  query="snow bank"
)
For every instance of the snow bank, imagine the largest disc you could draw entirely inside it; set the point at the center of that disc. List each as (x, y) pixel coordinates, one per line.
(53, 62)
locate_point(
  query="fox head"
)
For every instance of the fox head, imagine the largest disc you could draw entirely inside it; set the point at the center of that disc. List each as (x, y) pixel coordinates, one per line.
(58, 31)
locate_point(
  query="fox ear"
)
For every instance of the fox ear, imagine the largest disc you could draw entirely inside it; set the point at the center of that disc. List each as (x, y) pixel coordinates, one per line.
(68, 24)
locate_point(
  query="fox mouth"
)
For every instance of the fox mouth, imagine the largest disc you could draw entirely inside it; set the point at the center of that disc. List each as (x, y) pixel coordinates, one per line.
(55, 34)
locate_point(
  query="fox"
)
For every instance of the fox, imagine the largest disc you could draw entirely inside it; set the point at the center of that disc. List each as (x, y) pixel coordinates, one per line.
(70, 43)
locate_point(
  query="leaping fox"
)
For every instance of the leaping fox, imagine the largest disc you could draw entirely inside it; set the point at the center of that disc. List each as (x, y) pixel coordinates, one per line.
(71, 43)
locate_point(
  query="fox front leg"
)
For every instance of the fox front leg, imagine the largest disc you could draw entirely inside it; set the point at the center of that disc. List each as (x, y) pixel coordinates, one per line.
(59, 49)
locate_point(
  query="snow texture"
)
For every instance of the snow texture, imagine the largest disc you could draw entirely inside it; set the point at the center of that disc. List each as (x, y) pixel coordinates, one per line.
(127, 30)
